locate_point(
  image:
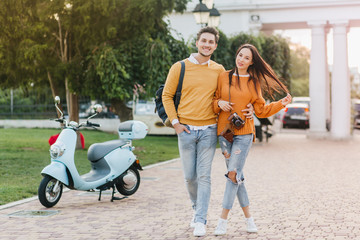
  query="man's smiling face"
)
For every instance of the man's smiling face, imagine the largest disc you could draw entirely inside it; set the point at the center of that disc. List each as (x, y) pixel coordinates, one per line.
(206, 44)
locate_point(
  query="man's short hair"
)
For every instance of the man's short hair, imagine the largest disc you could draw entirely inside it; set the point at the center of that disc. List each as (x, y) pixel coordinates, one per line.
(208, 30)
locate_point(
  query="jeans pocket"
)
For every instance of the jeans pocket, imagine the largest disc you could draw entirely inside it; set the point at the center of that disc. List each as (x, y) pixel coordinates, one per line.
(184, 132)
(181, 133)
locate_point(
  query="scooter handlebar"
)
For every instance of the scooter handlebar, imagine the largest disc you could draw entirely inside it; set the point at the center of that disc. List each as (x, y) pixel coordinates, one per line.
(90, 124)
(60, 120)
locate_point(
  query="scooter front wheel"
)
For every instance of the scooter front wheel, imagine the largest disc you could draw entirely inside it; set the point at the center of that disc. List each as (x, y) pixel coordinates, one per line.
(130, 182)
(49, 191)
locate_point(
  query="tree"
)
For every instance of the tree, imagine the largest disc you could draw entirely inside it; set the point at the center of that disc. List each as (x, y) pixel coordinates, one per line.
(276, 52)
(242, 38)
(223, 53)
(143, 63)
(299, 69)
(116, 30)
(19, 53)
(60, 35)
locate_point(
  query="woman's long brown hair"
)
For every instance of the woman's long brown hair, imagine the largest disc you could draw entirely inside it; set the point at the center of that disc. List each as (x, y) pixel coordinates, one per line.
(260, 72)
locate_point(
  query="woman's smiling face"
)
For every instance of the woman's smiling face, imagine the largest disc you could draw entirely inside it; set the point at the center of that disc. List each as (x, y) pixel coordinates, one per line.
(244, 59)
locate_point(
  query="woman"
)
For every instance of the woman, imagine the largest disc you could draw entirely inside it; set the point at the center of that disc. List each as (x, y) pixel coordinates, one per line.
(246, 80)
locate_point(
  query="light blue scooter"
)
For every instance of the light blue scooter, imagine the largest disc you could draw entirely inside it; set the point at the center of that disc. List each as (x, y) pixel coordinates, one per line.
(113, 163)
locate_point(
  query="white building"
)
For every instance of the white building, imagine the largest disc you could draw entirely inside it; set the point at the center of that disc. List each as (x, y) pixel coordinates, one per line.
(319, 16)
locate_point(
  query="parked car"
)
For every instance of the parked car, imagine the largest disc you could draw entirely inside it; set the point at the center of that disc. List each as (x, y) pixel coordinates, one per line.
(305, 100)
(279, 115)
(145, 111)
(296, 115)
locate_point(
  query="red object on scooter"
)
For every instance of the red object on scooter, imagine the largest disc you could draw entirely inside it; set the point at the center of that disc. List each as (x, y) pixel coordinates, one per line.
(53, 138)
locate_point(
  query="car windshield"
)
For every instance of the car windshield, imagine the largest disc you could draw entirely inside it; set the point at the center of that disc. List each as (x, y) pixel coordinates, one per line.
(295, 111)
(302, 101)
(145, 108)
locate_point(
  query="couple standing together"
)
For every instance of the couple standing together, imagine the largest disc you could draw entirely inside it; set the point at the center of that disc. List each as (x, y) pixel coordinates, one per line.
(209, 96)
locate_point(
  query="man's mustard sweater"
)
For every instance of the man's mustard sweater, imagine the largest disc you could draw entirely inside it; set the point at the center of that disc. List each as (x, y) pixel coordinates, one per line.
(199, 86)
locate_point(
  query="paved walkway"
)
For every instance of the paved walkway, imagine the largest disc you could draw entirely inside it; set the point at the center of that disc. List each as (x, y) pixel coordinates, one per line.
(298, 189)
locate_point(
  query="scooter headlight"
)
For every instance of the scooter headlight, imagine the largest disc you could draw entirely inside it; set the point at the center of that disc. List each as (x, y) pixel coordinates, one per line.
(57, 150)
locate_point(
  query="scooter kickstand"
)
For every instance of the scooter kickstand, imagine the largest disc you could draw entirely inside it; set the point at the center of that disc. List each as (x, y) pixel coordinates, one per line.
(100, 195)
(112, 196)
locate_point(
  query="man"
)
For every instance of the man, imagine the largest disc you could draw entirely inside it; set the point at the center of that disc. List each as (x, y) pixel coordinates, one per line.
(195, 121)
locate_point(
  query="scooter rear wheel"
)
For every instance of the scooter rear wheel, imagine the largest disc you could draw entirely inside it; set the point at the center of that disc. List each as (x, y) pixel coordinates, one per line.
(129, 183)
(47, 196)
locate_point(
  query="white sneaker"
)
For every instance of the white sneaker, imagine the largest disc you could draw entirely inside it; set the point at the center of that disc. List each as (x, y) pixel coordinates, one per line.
(192, 223)
(250, 225)
(221, 227)
(199, 229)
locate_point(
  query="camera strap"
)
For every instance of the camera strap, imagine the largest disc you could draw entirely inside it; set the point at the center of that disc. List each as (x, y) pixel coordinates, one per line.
(230, 83)
(229, 95)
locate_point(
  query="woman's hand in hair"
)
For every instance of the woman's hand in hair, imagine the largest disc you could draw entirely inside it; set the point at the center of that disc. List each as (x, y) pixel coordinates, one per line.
(225, 106)
(286, 100)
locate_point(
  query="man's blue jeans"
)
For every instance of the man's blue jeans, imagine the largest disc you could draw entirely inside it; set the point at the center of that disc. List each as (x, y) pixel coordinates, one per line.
(197, 150)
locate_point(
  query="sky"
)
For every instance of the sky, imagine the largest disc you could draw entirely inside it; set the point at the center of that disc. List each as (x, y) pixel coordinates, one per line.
(303, 37)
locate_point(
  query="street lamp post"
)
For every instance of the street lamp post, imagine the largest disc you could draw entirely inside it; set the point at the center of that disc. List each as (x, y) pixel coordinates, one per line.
(206, 14)
(214, 18)
(209, 3)
(201, 13)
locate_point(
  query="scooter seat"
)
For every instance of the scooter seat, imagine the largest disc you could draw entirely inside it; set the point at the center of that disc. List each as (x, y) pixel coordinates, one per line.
(99, 150)
(126, 126)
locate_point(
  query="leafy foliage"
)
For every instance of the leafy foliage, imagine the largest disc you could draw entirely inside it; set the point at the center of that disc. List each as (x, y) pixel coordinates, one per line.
(299, 68)
(19, 53)
(112, 44)
(276, 52)
(243, 38)
(107, 64)
(108, 49)
(223, 53)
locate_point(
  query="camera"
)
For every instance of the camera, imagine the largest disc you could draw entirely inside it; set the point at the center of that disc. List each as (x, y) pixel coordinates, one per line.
(236, 120)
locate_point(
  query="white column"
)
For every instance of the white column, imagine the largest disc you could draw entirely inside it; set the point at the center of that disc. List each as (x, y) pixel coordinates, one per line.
(327, 84)
(340, 84)
(317, 80)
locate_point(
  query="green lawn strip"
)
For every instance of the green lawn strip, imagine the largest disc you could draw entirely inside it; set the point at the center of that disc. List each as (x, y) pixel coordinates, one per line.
(25, 152)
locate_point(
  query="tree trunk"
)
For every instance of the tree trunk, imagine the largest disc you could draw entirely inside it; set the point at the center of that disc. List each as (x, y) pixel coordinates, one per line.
(122, 110)
(73, 110)
(54, 91)
(74, 107)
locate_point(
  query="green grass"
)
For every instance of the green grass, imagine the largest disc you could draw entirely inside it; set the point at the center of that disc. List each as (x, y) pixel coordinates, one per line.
(25, 152)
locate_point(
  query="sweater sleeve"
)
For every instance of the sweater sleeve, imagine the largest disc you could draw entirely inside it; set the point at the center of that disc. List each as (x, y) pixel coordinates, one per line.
(169, 91)
(217, 96)
(261, 109)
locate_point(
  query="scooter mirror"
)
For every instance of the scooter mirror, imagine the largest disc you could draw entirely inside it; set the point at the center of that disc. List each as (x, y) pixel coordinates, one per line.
(57, 100)
(98, 108)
